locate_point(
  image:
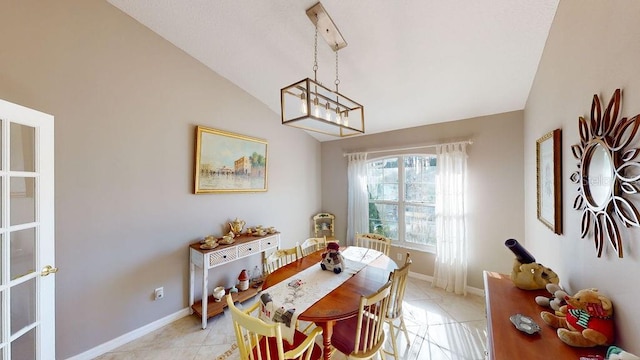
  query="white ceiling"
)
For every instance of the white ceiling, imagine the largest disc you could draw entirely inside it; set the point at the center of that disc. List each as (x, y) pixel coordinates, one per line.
(410, 62)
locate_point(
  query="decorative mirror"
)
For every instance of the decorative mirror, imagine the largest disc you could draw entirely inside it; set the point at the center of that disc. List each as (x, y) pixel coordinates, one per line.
(607, 173)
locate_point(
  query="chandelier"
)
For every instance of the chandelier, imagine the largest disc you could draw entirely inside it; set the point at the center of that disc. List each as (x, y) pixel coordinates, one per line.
(309, 105)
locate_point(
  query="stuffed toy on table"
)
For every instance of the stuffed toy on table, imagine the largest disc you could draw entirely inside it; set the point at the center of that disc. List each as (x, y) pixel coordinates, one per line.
(587, 322)
(332, 260)
(556, 301)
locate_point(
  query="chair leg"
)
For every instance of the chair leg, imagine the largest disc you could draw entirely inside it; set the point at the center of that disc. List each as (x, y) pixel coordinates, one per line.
(403, 327)
(382, 355)
(392, 336)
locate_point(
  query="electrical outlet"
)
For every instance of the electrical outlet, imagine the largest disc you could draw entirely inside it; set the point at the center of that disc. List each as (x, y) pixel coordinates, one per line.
(399, 256)
(159, 293)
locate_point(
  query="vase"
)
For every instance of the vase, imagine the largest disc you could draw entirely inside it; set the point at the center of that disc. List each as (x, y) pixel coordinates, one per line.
(218, 293)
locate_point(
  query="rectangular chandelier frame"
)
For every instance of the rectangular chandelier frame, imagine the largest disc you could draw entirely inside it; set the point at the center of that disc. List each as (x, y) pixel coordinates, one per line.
(311, 106)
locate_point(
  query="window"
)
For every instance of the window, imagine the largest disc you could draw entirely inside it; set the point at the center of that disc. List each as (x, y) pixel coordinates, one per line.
(402, 199)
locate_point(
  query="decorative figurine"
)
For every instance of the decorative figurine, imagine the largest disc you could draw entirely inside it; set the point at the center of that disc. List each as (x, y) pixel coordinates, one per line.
(332, 260)
(243, 280)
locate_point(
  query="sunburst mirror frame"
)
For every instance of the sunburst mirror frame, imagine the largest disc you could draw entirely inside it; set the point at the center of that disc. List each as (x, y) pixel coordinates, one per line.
(605, 202)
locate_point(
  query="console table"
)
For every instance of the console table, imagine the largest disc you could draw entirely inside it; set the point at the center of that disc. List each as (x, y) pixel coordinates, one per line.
(504, 299)
(245, 245)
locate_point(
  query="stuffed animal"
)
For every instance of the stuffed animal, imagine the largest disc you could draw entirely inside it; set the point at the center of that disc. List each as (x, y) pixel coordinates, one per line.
(555, 301)
(332, 260)
(588, 320)
(532, 276)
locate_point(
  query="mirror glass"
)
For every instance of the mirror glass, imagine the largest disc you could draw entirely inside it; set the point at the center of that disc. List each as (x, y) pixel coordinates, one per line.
(599, 176)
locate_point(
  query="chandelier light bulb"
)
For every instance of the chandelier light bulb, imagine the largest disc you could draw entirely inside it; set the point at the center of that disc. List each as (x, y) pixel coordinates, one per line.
(303, 102)
(338, 118)
(345, 118)
(328, 112)
(316, 107)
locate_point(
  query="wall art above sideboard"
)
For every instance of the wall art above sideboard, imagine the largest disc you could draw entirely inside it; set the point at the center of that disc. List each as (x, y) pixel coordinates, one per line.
(228, 162)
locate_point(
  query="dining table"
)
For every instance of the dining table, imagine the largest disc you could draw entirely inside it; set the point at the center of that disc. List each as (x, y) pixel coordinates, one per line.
(341, 303)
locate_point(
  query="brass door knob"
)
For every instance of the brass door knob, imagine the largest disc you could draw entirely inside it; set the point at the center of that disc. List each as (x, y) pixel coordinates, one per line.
(48, 270)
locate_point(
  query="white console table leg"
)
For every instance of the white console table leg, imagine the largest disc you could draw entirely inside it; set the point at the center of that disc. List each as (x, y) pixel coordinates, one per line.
(192, 272)
(205, 297)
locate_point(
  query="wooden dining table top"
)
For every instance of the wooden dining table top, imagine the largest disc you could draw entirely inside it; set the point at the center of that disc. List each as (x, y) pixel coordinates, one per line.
(344, 301)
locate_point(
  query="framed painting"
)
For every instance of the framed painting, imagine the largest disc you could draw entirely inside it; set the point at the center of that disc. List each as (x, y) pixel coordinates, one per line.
(228, 162)
(549, 180)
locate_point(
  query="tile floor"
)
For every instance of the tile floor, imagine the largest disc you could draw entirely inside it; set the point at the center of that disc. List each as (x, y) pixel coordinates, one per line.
(441, 326)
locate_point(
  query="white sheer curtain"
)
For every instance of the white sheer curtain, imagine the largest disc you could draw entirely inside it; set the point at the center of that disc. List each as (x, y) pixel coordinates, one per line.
(358, 199)
(451, 249)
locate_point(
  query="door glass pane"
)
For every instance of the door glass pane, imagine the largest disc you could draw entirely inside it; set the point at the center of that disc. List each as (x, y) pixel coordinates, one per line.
(23, 306)
(2, 293)
(2, 261)
(1, 201)
(23, 255)
(23, 202)
(24, 347)
(1, 151)
(22, 147)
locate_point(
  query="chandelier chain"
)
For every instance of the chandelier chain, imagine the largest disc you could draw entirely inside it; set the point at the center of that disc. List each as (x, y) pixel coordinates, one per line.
(315, 53)
(337, 82)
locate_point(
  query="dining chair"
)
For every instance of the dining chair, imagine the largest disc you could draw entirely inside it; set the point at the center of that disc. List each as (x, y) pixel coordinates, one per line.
(280, 258)
(312, 245)
(258, 340)
(362, 337)
(374, 241)
(398, 280)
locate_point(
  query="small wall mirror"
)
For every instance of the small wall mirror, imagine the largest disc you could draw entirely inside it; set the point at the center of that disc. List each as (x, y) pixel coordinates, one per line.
(607, 174)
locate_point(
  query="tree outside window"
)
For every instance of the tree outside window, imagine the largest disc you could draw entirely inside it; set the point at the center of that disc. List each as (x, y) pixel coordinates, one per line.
(402, 199)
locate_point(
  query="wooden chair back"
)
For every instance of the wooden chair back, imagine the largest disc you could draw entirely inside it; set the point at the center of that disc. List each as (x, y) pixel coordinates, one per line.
(398, 279)
(368, 338)
(312, 245)
(280, 258)
(258, 340)
(374, 241)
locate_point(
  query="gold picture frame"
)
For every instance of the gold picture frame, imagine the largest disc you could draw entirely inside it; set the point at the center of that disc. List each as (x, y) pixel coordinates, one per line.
(549, 180)
(229, 162)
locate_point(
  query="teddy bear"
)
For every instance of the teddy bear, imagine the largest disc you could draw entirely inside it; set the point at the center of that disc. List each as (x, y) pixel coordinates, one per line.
(556, 301)
(332, 259)
(587, 322)
(532, 276)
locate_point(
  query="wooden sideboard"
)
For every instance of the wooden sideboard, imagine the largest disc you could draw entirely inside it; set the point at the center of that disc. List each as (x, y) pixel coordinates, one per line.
(504, 299)
(208, 259)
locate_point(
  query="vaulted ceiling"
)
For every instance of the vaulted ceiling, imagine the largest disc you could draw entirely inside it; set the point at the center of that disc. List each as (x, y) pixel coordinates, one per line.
(409, 62)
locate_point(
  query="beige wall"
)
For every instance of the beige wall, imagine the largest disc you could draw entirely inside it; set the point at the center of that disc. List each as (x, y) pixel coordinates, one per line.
(126, 103)
(495, 181)
(592, 49)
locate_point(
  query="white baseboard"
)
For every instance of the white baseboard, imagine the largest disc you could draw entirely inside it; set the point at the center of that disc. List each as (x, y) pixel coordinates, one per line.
(470, 290)
(130, 336)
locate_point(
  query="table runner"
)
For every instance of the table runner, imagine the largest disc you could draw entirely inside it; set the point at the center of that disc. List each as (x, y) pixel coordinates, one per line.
(284, 301)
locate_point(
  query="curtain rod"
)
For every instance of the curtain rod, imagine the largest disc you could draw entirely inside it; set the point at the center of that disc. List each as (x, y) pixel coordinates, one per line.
(409, 148)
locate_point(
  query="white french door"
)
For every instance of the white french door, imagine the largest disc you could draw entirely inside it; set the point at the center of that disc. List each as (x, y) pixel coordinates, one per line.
(27, 286)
